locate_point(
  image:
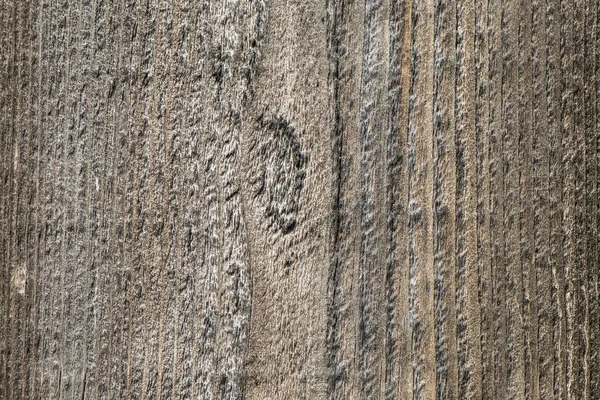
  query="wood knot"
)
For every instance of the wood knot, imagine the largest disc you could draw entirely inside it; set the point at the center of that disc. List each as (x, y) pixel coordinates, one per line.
(277, 172)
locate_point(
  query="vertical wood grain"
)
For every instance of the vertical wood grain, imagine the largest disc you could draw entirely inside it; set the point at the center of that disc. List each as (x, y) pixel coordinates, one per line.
(302, 200)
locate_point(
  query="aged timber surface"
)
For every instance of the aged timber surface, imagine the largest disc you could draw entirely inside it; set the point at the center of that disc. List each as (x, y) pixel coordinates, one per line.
(264, 199)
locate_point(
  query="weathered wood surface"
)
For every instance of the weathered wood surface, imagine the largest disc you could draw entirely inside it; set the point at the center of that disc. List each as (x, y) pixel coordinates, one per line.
(339, 199)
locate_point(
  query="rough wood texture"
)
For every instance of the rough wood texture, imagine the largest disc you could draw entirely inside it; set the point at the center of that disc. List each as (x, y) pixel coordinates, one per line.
(299, 200)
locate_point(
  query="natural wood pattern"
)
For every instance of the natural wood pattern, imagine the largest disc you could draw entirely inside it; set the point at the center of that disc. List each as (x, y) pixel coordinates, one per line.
(287, 200)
